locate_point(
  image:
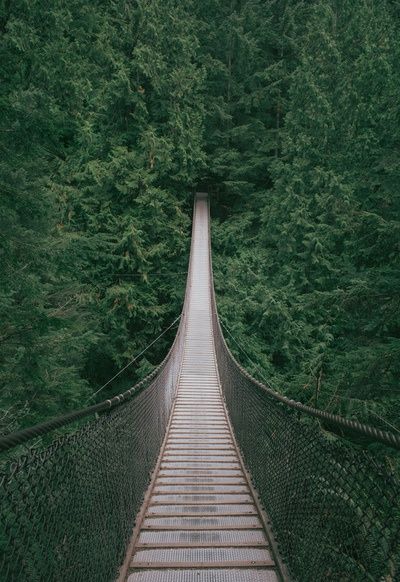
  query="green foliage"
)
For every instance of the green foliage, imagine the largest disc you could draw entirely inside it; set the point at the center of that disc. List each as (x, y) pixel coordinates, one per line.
(286, 111)
(101, 138)
(309, 268)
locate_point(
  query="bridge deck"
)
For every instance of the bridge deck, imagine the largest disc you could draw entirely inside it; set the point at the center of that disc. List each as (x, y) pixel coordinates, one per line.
(200, 521)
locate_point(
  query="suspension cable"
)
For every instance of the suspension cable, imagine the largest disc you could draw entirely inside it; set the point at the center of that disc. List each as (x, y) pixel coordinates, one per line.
(268, 383)
(135, 358)
(257, 367)
(13, 439)
(388, 438)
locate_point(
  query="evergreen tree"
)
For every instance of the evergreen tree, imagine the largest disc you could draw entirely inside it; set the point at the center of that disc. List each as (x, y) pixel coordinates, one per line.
(319, 278)
(114, 112)
(102, 140)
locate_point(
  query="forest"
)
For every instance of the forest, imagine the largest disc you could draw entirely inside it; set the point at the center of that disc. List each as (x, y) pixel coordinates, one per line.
(115, 112)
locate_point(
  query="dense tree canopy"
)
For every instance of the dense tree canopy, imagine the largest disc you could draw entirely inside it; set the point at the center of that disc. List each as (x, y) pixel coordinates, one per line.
(101, 138)
(114, 112)
(311, 283)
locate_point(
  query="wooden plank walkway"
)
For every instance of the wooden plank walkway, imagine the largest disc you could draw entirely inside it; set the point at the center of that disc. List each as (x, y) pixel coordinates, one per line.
(200, 520)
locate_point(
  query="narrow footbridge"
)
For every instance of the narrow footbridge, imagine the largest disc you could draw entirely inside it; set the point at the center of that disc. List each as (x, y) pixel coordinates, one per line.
(200, 473)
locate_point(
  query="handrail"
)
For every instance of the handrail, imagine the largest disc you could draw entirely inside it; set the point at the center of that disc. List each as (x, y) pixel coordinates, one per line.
(13, 439)
(386, 437)
(16, 438)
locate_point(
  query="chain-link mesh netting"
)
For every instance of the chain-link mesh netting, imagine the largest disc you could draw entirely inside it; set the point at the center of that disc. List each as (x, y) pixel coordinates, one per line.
(67, 511)
(335, 509)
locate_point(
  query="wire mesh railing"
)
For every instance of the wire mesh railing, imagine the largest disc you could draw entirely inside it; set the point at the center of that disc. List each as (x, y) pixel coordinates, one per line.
(334, 507)
(68, 509)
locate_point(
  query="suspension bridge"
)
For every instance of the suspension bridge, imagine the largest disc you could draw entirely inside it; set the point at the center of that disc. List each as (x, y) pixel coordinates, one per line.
(200, 473)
